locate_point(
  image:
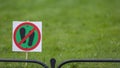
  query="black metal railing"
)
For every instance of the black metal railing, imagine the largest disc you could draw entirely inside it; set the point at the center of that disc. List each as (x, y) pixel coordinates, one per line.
(89, 60)
(25, 61)
(53, 61)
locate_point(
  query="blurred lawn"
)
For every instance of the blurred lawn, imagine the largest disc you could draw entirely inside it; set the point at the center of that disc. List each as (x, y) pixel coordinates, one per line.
(79, 29)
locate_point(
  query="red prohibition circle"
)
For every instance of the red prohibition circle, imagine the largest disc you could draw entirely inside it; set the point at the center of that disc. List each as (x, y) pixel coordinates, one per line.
(36, 28)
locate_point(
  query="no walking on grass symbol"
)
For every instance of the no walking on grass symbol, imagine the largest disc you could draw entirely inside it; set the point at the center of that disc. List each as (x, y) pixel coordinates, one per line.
(27, 36)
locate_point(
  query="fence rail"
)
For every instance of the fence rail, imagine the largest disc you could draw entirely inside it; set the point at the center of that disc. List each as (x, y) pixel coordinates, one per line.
(53, 61)
(28, 61)
(89, 60)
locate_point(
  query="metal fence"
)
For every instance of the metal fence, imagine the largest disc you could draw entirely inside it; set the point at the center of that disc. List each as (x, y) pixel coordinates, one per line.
(24, 61)
(53, 61)
(93, 60)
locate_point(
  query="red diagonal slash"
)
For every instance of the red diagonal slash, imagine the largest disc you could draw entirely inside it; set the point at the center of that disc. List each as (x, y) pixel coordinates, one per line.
(27, 36)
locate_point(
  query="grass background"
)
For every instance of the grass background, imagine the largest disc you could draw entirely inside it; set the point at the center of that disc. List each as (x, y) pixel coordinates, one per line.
(79, 29)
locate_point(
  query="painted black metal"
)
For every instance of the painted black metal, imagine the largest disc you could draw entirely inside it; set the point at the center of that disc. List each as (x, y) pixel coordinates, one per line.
(52, 62)
(28, 61)
(93, 60)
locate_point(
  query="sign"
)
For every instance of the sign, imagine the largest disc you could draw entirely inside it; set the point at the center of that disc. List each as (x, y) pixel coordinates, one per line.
(27, 36)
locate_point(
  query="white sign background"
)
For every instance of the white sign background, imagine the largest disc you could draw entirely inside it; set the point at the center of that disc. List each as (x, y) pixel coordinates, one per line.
(14, 46)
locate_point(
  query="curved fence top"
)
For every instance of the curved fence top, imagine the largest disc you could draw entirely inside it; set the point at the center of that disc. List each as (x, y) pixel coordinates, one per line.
(28, 61)
(93, 60)
(53, 61)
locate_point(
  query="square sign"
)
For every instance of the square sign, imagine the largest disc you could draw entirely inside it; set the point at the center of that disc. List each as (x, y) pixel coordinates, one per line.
(27, 36)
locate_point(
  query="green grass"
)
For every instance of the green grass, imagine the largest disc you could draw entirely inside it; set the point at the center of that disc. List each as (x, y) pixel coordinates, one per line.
(72, 29)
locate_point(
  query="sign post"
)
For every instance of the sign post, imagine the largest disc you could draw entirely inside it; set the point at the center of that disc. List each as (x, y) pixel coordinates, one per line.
(26, 58)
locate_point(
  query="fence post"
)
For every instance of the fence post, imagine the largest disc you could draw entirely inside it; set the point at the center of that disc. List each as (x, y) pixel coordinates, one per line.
(52, 62)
